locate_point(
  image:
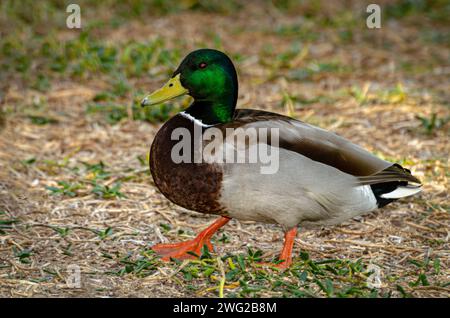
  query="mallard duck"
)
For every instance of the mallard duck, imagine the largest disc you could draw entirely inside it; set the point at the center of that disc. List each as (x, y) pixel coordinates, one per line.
(321, 178)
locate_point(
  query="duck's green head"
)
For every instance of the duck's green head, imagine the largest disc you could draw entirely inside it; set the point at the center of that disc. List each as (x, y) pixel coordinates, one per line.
(210, 78)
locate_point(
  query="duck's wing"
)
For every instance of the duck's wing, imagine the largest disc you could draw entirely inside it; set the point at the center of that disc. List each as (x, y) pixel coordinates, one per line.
(323, 146)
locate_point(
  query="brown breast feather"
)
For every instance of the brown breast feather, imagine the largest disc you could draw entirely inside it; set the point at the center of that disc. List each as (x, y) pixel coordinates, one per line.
(194, 186)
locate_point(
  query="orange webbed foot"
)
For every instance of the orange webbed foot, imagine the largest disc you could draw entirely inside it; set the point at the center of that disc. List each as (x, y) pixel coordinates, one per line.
(182, 250)
(185, 250)
(286, 253)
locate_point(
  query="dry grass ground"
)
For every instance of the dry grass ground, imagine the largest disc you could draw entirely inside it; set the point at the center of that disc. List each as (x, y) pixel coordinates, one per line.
(75, 187)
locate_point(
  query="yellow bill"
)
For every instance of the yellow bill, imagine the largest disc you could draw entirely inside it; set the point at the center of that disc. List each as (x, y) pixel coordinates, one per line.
(171, 89)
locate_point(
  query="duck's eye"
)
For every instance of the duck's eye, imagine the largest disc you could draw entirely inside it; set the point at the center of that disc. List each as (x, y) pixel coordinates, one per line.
(202, 65)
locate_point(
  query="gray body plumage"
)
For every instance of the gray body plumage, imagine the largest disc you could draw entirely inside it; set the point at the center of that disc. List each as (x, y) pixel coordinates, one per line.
(303, 191)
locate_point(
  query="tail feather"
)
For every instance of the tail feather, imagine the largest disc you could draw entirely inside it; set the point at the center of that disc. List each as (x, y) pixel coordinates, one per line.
(391, 184)
(393, 173)
(401, 192)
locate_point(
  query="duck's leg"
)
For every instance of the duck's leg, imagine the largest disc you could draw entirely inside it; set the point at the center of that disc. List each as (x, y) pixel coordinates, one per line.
(286, 252)
(180, 250)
